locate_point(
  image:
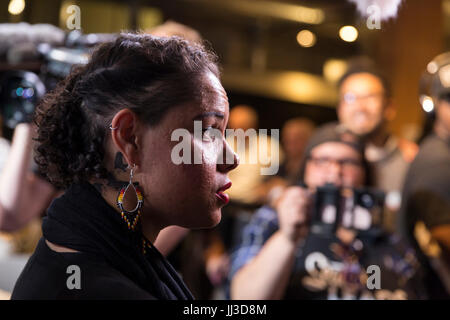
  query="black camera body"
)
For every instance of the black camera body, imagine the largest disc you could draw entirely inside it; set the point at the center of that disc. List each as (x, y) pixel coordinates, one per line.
(359, 209)
(21, 91)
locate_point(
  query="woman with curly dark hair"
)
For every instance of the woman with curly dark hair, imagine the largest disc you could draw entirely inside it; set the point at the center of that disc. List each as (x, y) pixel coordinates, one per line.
(105, 135)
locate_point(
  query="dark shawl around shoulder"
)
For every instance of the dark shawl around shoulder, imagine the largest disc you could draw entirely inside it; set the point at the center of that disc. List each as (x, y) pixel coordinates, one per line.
(82, 220)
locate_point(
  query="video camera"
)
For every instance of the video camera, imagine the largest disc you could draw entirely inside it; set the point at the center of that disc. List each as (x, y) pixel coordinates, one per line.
(359, 209)
(21, 90)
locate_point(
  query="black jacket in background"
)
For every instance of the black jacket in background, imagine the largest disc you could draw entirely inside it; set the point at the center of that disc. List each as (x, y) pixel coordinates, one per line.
(426, 202)
(111, 261)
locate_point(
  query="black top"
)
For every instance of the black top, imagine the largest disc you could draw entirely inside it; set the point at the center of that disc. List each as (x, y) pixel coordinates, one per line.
(47, 273)
(426, 204)
(112, 262)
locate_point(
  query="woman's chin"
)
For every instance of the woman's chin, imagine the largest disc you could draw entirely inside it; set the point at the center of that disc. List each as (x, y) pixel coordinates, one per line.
(213, 219)
(217, 217)
(208, 220)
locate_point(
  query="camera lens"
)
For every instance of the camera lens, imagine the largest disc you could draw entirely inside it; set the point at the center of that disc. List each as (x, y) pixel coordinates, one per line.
(367, 200)
(20, 93)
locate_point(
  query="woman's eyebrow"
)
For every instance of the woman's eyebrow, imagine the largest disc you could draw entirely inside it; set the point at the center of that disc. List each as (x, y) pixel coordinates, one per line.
(219, 115)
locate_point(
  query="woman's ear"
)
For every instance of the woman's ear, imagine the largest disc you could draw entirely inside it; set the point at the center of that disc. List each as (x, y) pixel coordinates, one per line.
(124, 131)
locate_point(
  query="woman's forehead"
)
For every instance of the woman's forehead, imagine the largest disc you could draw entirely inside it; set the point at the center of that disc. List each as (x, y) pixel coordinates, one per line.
(213, 101)
(213, 93)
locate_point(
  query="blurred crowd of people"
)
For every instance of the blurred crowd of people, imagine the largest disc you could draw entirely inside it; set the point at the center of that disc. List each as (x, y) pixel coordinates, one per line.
(265, 246)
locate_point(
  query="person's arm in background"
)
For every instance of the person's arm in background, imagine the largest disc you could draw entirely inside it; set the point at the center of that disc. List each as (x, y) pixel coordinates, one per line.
(408, 149)
(217, 260)
(434, 209)
(431, 228)
(442, 235)
(23, 195)
(266, 275)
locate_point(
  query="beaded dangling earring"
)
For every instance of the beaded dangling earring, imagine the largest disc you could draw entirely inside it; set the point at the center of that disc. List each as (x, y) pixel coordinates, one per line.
(130, 217)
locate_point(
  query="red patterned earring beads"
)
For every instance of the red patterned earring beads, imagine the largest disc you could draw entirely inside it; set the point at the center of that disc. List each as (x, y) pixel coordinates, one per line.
(132, 217)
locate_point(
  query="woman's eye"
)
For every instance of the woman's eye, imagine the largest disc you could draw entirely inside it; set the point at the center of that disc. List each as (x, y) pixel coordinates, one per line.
(207, 134)
(210, 133)
(207, 130)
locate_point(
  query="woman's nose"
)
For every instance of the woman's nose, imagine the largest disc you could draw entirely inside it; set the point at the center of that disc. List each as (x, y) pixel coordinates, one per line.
(229, 159)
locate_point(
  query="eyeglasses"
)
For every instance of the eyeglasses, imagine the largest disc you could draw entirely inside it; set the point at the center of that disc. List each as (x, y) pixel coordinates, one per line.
(325, 162)
(371, 98)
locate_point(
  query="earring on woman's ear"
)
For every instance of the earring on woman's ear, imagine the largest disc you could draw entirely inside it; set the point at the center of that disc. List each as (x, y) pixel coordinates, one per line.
(130, 217)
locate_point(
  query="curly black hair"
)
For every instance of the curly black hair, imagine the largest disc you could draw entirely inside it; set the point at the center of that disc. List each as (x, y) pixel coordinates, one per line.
(147, 74)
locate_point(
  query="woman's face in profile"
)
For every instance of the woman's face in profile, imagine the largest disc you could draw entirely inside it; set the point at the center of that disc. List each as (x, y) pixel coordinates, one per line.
(190, 193)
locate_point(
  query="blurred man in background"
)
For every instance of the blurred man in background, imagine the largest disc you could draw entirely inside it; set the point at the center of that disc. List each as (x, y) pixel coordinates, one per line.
(365, 108)
(295, 135)
(172, 28)
(281, 255)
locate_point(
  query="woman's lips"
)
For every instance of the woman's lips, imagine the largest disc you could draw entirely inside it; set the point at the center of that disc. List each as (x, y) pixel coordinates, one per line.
(223, 196)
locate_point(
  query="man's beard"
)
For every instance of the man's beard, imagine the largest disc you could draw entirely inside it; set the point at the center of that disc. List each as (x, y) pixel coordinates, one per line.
(377, 129)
